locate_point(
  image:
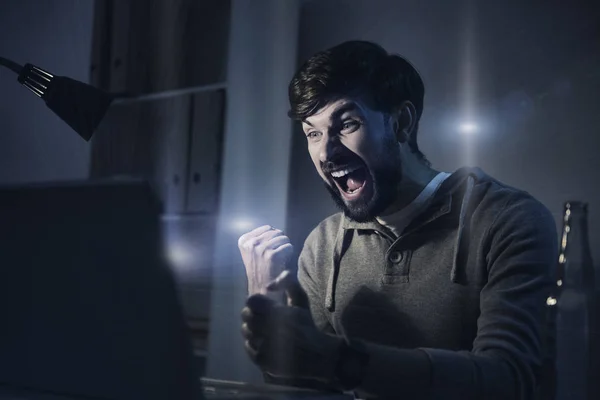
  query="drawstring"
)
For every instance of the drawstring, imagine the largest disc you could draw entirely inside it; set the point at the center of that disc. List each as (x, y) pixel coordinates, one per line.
(342, 242)
(461, 229)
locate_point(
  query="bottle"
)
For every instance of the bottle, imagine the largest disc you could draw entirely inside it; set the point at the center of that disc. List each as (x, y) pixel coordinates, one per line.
(574, 306)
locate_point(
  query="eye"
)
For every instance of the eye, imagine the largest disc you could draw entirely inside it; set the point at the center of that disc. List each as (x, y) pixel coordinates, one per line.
(350, 125)
(313, 134)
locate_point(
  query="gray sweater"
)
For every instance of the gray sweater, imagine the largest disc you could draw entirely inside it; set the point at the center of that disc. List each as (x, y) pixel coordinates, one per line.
(455, 308)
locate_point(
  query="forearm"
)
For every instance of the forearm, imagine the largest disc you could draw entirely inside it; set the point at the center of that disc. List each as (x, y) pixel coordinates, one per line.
(435, 374)
(394, 373)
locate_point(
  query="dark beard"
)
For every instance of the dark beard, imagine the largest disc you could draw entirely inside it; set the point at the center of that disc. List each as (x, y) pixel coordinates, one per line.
(385, 177)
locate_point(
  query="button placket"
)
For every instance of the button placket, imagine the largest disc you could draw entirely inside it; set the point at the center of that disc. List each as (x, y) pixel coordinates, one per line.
(397, 266)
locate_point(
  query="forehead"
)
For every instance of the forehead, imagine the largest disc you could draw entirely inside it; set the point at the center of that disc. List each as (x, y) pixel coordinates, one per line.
(336, 109)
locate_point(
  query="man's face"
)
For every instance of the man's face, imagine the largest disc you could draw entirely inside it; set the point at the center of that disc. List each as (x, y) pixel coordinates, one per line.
(357, 155)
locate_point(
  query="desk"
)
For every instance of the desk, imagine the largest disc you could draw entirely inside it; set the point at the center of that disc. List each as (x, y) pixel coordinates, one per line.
(213, 390)
(230, 390)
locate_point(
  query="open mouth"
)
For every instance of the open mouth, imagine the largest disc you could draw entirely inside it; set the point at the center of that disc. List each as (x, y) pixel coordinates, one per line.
(351, 180)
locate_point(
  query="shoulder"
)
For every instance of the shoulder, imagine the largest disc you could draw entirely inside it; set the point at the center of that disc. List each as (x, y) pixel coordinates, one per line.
(516, 218)
(503, 202)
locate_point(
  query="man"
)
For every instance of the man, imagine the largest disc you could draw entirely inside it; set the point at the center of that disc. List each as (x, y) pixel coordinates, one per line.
(427, 284)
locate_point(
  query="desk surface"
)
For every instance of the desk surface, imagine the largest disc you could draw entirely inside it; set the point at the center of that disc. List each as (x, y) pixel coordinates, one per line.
(224, 390)
(213, 390)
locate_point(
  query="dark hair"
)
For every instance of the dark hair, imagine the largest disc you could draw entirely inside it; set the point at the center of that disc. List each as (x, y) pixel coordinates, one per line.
(357, 68)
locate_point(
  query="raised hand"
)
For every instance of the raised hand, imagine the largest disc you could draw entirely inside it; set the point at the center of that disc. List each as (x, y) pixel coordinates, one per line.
(266, 252)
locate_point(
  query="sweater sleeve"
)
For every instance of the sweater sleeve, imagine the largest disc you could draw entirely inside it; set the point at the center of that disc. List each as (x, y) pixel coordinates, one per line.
(506, 359)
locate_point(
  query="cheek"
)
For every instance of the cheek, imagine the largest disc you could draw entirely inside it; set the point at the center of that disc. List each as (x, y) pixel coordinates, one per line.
(364, 149)
(314, 157)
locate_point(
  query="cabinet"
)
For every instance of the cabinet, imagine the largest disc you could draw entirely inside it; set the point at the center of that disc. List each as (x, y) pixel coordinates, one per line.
(167, 60)
(152, 46)
(175, 142)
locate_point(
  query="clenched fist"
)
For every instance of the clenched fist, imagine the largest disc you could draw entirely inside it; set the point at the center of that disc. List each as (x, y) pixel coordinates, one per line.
(266, 251)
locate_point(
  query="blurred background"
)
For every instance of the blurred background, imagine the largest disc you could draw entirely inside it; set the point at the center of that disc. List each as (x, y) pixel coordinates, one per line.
(511, 87)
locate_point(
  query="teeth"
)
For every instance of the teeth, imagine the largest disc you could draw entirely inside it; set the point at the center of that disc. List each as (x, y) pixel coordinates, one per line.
(344, 172)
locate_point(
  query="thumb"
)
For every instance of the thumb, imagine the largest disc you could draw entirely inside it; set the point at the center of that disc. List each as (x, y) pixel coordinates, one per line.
(282, 281)
(288, 281)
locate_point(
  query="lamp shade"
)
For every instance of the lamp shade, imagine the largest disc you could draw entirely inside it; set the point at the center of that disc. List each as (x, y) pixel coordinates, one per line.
(80, 105)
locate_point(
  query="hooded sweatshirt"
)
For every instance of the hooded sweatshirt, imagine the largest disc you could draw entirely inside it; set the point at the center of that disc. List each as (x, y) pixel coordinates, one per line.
(453, 308)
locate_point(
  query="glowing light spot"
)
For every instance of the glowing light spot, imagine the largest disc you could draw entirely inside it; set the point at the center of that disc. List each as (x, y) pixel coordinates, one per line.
(179, 255)
(468, 128)
(551, 301)
(242, 224)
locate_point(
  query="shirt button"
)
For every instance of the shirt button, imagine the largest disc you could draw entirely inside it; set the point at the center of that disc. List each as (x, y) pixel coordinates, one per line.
(395, 257)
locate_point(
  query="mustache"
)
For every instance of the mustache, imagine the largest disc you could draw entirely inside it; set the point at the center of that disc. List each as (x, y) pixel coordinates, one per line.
(331, 166)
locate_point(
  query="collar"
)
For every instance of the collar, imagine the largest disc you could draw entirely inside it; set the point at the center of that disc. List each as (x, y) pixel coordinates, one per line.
(439, 207)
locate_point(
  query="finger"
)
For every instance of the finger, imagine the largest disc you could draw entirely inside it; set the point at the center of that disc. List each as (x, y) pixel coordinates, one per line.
(246, 332)
(250, 317)
(253, 333)
(253, 233)
(276, 249)
(288, 281)
(254, 327)
(247, 314)
(268, 235)
(275, 243)
(284, 247)
(281, 254)
(297, 296)
(282, 281)
(260, 242)
(252, 352)
(256, 350)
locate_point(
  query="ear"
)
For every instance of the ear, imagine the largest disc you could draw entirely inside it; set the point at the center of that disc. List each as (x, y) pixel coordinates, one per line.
(404, 120)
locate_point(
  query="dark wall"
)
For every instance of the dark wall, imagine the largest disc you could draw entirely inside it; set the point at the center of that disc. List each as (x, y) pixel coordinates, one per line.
(35, 145)
(534, 83)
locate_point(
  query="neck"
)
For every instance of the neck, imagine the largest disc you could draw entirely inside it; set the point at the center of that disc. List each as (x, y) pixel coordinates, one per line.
(415, 176)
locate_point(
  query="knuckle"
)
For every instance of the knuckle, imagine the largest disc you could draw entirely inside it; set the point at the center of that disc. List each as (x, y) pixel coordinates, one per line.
(251, 243)
(246, 332)
(285, 249)
(261, 249)
(268, 254)
(284, 239)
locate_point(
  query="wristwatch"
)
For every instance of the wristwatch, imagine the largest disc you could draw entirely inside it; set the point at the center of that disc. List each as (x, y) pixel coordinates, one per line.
(351, 366)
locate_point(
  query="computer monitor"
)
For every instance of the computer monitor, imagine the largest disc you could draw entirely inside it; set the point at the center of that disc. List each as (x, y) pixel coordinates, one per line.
(88, 308)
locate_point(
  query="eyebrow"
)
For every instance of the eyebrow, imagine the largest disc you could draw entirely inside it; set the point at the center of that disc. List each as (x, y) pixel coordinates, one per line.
(351, 106)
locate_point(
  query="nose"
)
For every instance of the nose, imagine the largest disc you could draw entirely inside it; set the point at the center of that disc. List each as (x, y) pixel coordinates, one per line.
(330, 148)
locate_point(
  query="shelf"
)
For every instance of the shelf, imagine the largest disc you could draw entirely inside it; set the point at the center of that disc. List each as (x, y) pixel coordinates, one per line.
(171, 93)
